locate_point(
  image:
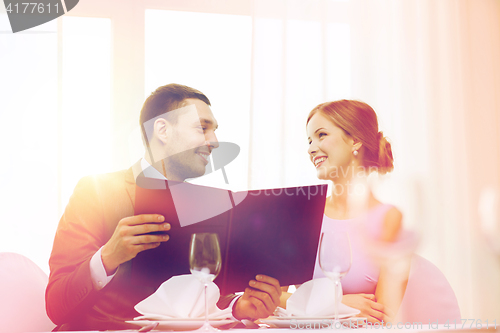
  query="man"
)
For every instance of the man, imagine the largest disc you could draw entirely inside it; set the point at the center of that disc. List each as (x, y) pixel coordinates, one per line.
(90, 266)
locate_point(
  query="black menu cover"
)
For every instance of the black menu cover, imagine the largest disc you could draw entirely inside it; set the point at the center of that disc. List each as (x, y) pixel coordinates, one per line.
(272, 232)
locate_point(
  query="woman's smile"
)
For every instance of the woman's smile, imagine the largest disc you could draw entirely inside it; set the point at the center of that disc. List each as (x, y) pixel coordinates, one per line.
(318, 160)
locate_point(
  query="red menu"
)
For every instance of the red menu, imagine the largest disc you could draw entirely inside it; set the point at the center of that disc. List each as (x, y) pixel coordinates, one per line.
(273, 232)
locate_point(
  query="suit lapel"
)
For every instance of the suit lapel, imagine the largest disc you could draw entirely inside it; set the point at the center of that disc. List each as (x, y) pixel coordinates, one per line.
(130, 176)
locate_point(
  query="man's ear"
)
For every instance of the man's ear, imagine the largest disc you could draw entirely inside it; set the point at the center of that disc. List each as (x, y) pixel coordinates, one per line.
(162, 129)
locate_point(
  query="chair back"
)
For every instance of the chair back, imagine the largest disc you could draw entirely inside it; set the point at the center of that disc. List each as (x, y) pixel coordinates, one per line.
(22, 295)
(429, 297)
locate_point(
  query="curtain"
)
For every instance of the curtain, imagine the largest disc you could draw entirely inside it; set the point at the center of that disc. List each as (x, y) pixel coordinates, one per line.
(431, 71)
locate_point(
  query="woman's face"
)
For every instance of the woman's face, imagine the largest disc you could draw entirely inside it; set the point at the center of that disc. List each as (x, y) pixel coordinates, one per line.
(330, 148)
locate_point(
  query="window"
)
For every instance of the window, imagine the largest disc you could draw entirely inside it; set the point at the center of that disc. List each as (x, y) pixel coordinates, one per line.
(71, 91)
(212, 53)
(86, 129)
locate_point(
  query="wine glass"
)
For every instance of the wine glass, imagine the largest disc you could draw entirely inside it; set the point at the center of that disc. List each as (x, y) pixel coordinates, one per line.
(335, 260)
(205, 262)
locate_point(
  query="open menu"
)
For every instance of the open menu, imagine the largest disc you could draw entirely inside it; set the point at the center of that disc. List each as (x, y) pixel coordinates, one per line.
(273, 232)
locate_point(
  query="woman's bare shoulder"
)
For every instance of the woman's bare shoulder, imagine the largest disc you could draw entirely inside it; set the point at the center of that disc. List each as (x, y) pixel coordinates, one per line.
(392, 224)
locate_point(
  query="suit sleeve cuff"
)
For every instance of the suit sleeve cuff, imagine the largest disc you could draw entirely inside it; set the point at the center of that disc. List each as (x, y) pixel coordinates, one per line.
(231, 305)
(98, 273)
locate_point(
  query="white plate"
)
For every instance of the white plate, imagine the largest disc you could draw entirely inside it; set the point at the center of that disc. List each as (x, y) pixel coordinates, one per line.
(153, 317)
(341, 316)
(180, 324)
(311, 323)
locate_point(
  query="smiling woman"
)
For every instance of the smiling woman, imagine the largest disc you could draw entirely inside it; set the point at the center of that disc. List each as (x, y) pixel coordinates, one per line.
(345, 146)
(343, 123)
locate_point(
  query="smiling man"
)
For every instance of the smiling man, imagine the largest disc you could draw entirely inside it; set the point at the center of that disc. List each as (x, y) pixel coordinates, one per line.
(98, 235)
(181, 139)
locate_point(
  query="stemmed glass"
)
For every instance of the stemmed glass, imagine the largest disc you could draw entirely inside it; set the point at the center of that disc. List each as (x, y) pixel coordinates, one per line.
(335, 260)
(205, 262)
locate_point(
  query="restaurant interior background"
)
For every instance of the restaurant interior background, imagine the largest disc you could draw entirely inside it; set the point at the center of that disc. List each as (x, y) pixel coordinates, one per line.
(71, 91)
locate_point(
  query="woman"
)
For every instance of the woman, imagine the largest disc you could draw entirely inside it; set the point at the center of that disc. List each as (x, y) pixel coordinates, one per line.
(345, 145)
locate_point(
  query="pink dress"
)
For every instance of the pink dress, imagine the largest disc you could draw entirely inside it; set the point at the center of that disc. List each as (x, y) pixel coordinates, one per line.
(428, 296)
(363, 275)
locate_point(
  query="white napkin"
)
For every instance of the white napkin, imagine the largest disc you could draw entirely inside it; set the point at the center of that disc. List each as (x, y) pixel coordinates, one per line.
(315, 298)
(182, 296)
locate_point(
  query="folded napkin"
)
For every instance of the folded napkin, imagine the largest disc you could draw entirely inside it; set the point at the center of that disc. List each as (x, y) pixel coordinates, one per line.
(182, 296)
(315, 298)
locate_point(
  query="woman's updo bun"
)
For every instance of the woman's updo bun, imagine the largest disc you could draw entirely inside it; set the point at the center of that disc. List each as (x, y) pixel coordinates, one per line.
(385, 159)
(359, 120)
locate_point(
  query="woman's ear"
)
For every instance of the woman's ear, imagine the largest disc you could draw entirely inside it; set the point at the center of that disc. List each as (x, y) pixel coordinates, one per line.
(356, 144)
(161, 129)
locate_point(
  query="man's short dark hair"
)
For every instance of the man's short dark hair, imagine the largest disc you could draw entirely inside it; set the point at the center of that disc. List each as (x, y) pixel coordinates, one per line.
(165, 99)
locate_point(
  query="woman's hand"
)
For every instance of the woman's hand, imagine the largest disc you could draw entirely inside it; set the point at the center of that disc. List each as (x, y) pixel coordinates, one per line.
(371, 310)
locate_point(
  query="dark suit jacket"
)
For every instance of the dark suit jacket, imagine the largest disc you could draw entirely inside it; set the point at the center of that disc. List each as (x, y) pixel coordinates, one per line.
(97, 205)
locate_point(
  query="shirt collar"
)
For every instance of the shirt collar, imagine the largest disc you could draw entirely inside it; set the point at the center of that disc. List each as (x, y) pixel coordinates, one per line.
(149, 172)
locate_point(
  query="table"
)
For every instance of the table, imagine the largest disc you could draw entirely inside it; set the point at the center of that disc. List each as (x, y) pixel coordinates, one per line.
(423, 328)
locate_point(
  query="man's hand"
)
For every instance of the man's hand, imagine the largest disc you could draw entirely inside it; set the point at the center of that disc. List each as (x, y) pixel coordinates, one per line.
(370, 309)
(131, 237)
(260, 300)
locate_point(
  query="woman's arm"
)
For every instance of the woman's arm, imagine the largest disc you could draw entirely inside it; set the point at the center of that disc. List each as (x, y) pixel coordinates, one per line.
(394, 272)
(383, 306)
(367, 304)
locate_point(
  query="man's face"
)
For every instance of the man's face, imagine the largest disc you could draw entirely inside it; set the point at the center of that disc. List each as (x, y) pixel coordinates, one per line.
(190, 141)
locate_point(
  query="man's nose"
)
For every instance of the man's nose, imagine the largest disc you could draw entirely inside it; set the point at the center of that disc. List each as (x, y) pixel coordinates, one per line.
(211, 140)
